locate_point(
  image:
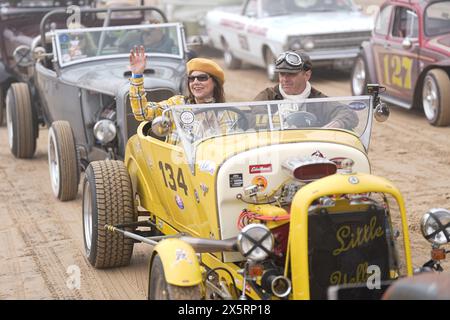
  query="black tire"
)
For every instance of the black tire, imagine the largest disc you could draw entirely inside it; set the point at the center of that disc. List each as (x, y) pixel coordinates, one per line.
(231, 62)
(20, 121)
(2, 106)
(159, 289)
(107, 199)
(63, 161)
(359, 77)
(436, 97)
(269, 59)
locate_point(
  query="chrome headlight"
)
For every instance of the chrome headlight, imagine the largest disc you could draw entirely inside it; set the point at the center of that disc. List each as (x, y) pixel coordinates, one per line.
(308, 44)
(435, 226)
(255, 242)
(105, 131)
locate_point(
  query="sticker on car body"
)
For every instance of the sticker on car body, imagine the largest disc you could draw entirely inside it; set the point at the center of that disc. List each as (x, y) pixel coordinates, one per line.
(236, 180)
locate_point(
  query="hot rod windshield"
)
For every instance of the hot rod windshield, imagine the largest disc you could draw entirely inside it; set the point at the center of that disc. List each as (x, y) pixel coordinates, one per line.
(79, 45)
(196, 123)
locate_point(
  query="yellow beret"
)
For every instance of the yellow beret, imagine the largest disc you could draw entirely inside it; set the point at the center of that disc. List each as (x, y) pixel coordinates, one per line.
(208, 66)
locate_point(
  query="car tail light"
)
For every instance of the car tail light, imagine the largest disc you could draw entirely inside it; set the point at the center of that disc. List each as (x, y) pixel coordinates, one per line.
(310, 168)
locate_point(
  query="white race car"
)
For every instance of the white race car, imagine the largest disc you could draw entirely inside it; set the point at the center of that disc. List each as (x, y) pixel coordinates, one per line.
(330, 31)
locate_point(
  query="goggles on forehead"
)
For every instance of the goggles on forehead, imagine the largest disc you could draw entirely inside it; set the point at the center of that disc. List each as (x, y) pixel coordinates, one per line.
(293, 59)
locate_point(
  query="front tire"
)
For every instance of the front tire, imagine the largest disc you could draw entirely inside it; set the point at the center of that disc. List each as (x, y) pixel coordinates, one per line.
(159, 289)
(269, 58)
(359, 76)
(231, 62)
(107, 199)
(20, 121)
(436, 97)
(63, 162)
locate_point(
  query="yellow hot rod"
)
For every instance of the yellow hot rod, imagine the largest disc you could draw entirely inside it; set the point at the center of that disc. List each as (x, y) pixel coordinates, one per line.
(254, 200)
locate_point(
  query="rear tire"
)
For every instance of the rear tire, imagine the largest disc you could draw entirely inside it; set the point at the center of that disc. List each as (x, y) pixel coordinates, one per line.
(436, 97)
(107, 199)
(159, 289)
(63, 162)
(20, 121)
(269, 58)
(359, 76)
(231, 62)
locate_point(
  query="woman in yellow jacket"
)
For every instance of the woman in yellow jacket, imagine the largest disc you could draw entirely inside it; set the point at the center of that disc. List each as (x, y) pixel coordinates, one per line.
(205, 85)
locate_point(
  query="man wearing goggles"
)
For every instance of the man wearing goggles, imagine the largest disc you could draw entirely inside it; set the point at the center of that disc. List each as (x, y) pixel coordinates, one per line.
(294, 70)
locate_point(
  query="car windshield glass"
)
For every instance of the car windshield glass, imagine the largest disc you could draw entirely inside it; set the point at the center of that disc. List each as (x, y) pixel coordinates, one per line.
(196, 123)
(79, 45)
(437, 18)
(285, 7)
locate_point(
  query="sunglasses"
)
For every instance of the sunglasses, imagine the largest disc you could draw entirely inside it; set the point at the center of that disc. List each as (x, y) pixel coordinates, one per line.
(201, 78)
(293, 59)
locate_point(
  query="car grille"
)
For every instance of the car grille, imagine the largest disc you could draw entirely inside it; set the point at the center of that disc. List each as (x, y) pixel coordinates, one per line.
(337, 40)
(341, 40)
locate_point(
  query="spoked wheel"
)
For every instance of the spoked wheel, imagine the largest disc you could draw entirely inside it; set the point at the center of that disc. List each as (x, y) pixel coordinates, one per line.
(63, 162)
(269, 58)
(159, 289)
(359, 76)
(107, 199)
(436, 97)
(231, 62)
(20, 121)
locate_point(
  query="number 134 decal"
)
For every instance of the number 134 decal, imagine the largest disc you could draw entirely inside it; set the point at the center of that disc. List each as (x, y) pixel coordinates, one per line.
(169, 178)
(397, 71)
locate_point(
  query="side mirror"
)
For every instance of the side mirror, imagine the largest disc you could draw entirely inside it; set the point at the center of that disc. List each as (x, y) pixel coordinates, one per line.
(40, 53)
(22, 56)
(435, 226)
(407, 43)
(161, 126)
(381, 112)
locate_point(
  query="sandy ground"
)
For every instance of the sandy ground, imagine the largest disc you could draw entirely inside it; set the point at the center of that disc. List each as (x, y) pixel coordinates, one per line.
(41, 238)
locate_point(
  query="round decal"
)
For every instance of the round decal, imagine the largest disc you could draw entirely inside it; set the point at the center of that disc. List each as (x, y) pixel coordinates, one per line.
(187, 117)
(179, 202)
(261, 182)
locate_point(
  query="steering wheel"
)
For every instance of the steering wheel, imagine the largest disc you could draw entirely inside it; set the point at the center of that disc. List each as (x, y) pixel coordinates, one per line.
(301, 119)
(241, 122)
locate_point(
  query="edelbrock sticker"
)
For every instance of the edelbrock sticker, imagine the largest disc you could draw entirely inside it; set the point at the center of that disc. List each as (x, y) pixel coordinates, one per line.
(260, 168)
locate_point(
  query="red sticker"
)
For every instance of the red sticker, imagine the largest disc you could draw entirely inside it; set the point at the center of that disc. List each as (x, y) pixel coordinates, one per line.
(260, 168)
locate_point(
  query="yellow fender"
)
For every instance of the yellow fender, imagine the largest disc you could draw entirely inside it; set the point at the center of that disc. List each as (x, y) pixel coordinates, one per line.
(180, 263)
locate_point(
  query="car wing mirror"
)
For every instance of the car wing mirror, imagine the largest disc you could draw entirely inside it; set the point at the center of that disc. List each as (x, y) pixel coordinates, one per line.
(381, 112)
(407, 43)
(161, 126)
(40, 53)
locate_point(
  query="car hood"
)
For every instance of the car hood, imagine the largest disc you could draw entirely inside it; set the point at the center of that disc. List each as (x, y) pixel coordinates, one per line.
(227, 146)
(108, 76)
(441, 43)
(319, 23)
